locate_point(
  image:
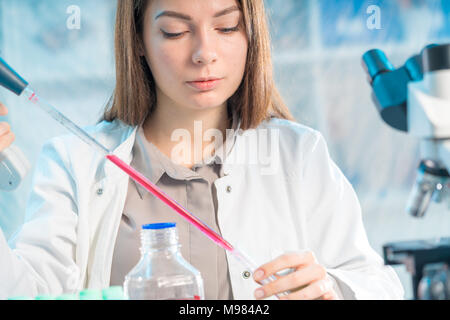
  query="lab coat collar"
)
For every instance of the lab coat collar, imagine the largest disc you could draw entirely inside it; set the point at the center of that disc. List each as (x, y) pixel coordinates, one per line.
(127, 136)
(122, 151)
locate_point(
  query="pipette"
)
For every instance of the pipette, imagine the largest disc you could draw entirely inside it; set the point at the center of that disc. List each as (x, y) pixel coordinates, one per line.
(15, 83)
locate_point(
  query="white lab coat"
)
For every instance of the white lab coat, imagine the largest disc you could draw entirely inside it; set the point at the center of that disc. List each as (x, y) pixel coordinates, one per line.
(77, 199)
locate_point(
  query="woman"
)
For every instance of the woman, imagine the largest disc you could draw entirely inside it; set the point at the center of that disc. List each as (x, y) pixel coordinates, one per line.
(300, 214)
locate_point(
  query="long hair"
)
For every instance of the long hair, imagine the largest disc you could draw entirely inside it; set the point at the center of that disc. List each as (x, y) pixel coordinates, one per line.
(134, 98)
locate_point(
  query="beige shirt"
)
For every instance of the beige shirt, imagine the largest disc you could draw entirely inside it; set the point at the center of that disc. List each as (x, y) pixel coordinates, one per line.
(193, 189)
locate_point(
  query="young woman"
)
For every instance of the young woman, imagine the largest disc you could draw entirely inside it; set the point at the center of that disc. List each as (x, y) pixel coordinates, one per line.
(194, 69)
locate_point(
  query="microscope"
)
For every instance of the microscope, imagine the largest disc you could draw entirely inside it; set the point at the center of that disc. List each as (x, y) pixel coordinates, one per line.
(13, 163)
(415, 99)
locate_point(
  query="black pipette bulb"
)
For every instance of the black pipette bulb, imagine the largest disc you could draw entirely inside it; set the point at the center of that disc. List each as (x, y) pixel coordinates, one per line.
(10, 79)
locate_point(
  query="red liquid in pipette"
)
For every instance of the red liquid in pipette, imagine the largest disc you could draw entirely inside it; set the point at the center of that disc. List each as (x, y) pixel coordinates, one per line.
(143, 181)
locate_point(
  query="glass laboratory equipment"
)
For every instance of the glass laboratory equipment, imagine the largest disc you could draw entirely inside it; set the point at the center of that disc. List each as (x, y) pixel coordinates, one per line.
(162, 273)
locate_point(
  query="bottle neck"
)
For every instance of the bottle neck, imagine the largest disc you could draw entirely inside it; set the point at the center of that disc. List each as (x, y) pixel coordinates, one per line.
(159, 241)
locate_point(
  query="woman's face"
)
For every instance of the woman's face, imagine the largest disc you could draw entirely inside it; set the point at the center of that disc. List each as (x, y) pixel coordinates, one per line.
(188, 40)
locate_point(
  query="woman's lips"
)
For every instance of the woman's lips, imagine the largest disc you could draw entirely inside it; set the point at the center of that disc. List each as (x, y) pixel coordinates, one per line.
(204, 85)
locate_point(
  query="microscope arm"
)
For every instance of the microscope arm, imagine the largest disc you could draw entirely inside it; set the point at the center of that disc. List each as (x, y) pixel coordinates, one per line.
(444, 153)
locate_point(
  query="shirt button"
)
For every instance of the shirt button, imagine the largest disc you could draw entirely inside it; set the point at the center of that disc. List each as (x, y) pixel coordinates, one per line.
(246, 274)
(229, 189)
(100, 191)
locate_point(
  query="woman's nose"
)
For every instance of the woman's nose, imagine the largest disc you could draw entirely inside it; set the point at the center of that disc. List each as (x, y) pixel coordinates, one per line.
(205, 51)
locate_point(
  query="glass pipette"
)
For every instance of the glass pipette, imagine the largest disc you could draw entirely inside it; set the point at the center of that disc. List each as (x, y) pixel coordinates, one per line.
(13, 82)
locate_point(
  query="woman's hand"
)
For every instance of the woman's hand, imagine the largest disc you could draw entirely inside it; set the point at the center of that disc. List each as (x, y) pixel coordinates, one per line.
(308, 281)
(6, 136)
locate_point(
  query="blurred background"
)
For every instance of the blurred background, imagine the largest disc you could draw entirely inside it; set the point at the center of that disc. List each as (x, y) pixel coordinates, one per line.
(317, 48)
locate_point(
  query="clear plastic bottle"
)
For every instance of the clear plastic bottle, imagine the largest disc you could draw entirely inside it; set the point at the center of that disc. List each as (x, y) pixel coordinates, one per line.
(162, 273)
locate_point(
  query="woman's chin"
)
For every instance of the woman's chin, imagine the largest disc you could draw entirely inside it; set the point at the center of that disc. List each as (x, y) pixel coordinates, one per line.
(202, 104)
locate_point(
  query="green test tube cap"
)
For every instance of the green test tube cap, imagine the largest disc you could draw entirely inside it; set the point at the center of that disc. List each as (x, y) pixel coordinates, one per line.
(113, 293)
(20, 298)
(44, 297)
(91, 294)
(67, 296)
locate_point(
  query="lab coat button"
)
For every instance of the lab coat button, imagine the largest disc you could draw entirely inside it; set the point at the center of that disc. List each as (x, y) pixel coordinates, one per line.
(229, 189)
(100, 192)
(246, 274)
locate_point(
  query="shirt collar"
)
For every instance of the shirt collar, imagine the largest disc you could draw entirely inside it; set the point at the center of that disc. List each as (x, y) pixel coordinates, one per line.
(146, 158)
(151, 162)
(225, 148)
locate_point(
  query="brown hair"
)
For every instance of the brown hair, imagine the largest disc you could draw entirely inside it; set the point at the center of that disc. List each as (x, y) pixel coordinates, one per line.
(257, 99)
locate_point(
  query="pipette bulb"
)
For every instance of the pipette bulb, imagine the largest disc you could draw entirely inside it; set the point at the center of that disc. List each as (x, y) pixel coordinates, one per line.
(10, 79)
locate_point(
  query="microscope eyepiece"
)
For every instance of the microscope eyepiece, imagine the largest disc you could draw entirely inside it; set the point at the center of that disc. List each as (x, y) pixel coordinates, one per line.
(414, 67)
(436, 57)
(389, 88)
(375, 62)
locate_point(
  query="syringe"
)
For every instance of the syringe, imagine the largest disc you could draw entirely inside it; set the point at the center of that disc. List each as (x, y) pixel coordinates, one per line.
(15, 83)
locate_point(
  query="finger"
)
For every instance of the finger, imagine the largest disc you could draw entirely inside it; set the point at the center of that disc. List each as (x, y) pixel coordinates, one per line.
(285, 261)
(6, 140)
(4, 128)
(314, 291)
(330, 295)
(3, 110)
(293, 281)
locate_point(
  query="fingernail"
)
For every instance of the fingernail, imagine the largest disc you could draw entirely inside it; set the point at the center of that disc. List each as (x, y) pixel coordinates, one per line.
(259, 274)
(259, 293)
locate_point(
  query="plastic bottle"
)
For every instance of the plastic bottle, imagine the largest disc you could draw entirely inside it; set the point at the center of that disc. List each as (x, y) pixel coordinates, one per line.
(162, 273)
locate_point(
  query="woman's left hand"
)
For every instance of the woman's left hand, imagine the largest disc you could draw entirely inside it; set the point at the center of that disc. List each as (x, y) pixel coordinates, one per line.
(308, 281)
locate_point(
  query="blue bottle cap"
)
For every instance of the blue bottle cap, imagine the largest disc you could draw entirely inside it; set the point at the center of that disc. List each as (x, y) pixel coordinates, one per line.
(157, 226)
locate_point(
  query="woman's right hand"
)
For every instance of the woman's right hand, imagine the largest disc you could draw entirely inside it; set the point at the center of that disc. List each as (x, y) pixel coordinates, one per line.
(6, 135)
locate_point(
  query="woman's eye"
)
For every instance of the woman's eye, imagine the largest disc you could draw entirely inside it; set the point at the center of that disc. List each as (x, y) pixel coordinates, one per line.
(230, 30)
(176, 35)
(171, 35)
